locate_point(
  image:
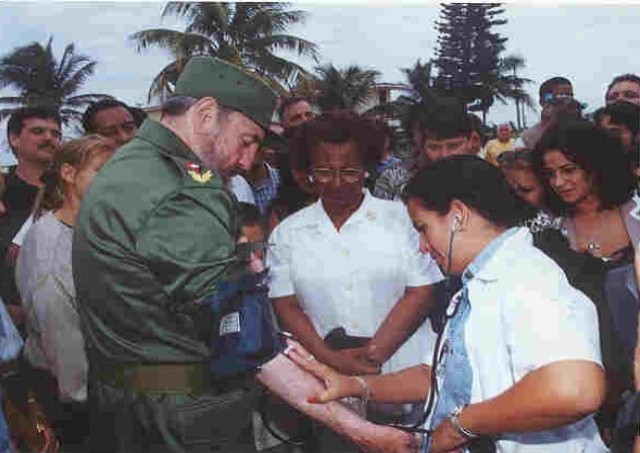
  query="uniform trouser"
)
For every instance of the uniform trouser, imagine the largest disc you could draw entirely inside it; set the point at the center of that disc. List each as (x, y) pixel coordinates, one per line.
(127, 421)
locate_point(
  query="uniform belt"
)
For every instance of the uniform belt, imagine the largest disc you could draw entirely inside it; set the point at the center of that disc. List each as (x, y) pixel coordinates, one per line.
(194, 378)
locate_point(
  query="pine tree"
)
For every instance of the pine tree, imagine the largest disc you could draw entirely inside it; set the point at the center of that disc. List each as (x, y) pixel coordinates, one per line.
(468, 53)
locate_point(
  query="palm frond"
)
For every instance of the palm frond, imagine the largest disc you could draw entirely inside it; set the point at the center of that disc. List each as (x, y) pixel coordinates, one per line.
(77, 79)
(163, 83)
(177, 42)
(301, 46)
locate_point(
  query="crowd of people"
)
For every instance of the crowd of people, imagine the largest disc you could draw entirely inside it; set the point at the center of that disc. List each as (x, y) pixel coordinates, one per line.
(480, 295)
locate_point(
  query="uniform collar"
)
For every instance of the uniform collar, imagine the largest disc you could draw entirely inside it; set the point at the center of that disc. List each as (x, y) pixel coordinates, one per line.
(164, 138)
(487, 265)
(365, 211)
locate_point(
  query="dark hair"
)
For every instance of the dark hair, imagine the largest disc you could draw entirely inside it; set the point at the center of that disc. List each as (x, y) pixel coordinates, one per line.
(139, 115)
(177, 105)
(95, 108)
(340, 126)
(622, 113)
(473, 181)
(448, 120)
(249, 215)
(622, 78)
(19, 116)
(549, 84)
(597, 153)
(288, 102)
(76, 153)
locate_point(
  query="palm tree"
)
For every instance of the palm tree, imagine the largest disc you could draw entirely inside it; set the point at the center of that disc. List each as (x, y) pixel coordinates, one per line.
(509, 67)
(40, 79)
(420, 85)
(246, 34)
(346, 88)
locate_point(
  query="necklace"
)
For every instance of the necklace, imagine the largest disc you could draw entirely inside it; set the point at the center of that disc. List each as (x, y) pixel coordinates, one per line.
(591, 239)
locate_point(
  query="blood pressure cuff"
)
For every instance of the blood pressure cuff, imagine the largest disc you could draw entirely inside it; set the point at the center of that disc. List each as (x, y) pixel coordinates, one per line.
(244, 333)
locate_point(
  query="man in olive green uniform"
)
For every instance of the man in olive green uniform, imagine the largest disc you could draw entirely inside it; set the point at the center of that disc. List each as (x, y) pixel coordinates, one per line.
(155, 233)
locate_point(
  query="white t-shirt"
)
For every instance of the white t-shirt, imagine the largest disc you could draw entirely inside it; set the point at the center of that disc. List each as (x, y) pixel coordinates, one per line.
(45, 282)
(524, 315)
(354, 277)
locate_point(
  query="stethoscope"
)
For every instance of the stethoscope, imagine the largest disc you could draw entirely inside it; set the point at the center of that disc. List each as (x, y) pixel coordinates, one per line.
(453, 304)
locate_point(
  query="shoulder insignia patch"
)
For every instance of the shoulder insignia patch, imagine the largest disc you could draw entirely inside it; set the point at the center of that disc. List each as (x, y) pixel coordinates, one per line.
(197, 174)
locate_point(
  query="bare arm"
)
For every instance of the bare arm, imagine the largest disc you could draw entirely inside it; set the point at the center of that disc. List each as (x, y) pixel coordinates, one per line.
(294, 320)
(402, 321)
(554, 395)
(295, 386)
(404, 386)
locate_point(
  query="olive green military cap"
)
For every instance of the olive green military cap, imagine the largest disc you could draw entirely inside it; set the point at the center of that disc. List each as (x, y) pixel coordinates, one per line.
(232, 88)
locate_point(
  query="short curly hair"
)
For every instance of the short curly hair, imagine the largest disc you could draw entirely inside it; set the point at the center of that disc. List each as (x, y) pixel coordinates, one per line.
(600, 155)
(339, 127)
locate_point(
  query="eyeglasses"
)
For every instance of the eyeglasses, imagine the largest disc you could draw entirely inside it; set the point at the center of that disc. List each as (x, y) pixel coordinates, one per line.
(349, 175)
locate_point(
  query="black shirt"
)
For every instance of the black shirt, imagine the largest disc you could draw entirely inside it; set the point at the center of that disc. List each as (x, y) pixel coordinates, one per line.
(18, 199)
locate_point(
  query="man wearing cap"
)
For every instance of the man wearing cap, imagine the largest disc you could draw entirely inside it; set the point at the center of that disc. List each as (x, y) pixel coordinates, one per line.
(155, 234)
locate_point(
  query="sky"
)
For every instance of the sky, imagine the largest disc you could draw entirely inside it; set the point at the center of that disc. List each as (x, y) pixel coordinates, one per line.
(587, 43)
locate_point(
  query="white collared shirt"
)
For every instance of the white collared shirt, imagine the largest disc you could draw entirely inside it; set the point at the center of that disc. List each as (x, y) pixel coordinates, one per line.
(352, 278)
(524, 315)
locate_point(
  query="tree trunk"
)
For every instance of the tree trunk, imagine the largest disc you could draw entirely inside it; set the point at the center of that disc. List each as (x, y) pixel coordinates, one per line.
(524, 118)
(518, 123)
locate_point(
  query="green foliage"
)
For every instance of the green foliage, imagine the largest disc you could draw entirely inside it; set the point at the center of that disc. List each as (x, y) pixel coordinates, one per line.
(468, 53)
(346, 88)
(246, 34)
(513, 86)
(40, 79)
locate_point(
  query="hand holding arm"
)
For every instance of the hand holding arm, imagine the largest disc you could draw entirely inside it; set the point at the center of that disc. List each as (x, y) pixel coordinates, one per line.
(295, 386)
(406, 386)
(293, 319)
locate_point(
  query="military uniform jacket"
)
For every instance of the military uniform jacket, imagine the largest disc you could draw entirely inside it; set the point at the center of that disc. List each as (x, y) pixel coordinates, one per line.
(155, 232)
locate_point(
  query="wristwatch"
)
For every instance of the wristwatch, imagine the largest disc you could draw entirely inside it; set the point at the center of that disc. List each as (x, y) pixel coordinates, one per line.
(454, 418)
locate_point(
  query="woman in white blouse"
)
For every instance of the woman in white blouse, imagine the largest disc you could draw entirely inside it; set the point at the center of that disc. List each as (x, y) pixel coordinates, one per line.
(350, 260)
(520, 363)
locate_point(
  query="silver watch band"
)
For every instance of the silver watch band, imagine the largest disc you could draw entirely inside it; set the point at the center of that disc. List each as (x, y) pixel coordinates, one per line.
(455, 421)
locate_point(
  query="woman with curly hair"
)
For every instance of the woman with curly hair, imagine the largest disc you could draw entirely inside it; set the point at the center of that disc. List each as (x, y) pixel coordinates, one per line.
(590, 185)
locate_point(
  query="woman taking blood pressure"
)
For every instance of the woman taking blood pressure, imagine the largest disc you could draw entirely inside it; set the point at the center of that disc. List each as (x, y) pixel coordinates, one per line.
(519, 361)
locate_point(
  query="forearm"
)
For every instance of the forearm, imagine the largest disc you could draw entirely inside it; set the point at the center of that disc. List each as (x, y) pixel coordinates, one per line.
(295, 321)
(552, 396)
(406, 386)
(401, 322)
(296, 386)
